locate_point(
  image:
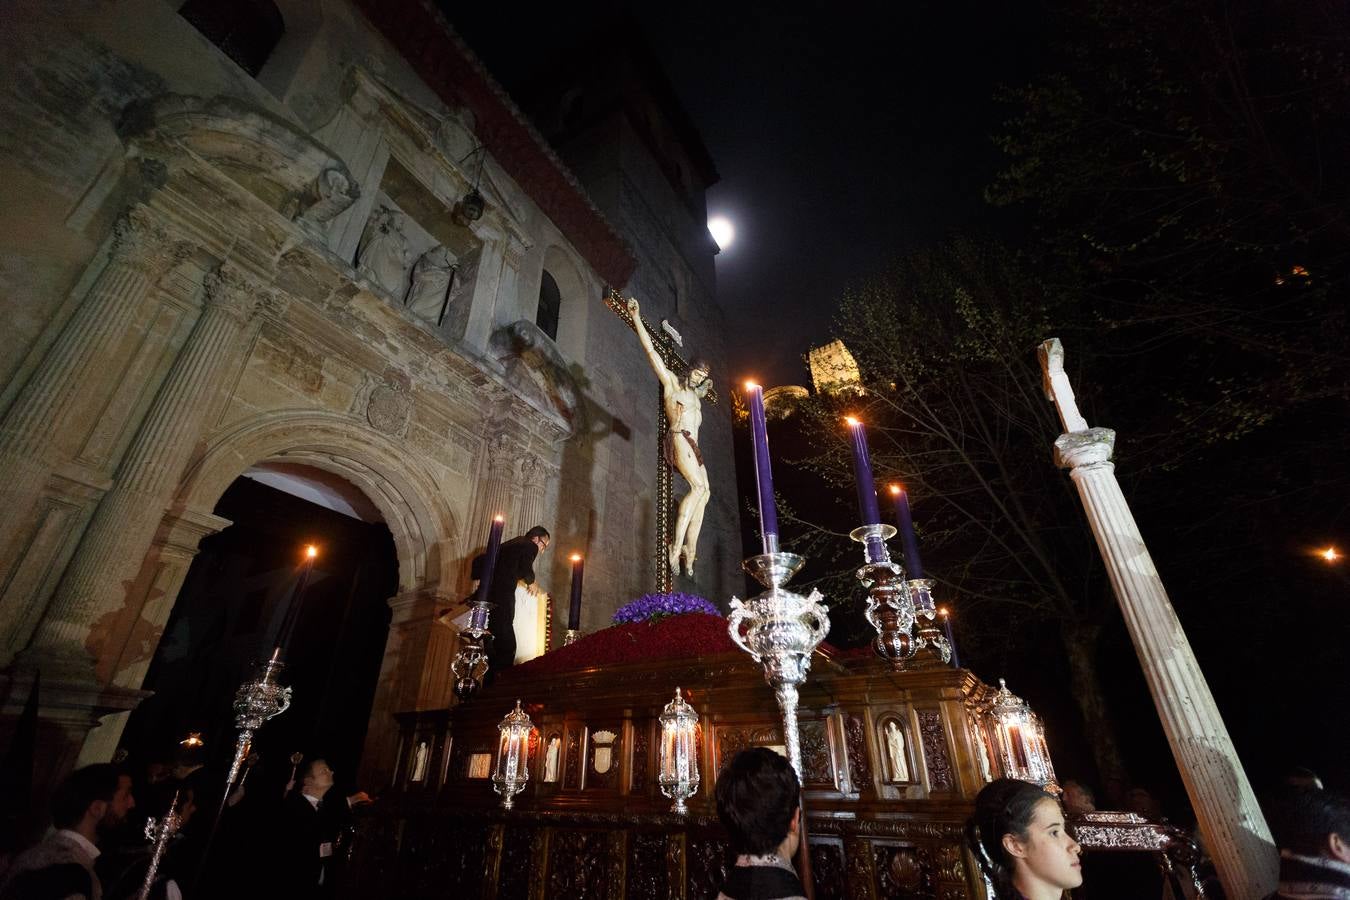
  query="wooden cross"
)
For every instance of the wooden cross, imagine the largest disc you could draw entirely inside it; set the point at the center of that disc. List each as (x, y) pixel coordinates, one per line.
(665, 472)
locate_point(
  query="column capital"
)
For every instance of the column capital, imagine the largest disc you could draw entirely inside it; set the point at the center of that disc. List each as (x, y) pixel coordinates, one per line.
(140, 239)
(231, 290)
(1085, 449)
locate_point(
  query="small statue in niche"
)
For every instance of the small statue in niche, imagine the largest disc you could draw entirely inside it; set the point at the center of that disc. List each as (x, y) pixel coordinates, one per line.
(432, 277)
(383, 253)
(551, 759)
(896, 758)
(419, 772)
(604, 750)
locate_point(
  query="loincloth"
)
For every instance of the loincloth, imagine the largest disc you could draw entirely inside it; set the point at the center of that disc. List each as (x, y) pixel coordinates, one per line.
(670, 447)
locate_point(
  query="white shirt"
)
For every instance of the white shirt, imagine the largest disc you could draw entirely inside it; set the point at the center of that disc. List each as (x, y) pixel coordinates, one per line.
(83, 842)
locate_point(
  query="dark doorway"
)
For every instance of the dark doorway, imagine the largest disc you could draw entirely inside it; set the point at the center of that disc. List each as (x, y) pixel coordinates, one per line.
(227, 616)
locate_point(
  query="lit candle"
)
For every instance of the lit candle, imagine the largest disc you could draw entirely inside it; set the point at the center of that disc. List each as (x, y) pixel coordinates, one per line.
(490, 558)
(905, 523)
(297, 598)
(574, 611)
(759, 435)
(874, 546)
(862, 473)
(951, 639)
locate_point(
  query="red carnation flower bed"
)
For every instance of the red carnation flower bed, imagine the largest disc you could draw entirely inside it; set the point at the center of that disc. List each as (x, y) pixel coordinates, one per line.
(672, 637)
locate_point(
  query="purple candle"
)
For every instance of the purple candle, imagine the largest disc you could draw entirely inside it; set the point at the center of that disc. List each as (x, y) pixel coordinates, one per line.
(905, 523)
(862, 473)
(574, 611)
(951, 641)
(490, 558)
(759, 435)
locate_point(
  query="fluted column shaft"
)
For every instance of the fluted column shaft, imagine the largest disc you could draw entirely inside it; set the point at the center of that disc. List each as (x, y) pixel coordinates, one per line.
(495, 490)
(532, 493)
(114, 545)
(1231, 823)
(141, 253)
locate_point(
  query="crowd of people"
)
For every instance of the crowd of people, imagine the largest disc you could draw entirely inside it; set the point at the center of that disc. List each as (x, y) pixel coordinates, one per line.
(1021, 835)
(291, 842)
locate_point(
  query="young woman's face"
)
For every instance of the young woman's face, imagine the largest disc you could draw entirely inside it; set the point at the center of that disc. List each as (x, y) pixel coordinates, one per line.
(1048, 855)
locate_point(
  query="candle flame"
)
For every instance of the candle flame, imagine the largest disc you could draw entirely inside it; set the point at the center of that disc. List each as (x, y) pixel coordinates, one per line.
(853, 423)
(499, 518)
(942, 611)
(1330, 554)
(194, 739)
(752, 386)
(576, 557)
(896, 489)
(311, 551)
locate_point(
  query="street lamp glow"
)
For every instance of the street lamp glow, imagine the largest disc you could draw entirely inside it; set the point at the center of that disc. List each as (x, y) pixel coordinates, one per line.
(722, 231)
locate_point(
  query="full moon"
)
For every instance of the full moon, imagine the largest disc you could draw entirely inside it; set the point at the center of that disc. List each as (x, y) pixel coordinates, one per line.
(722, 231)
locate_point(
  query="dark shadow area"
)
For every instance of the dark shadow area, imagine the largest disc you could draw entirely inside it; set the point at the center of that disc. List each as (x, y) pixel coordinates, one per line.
(227, 617)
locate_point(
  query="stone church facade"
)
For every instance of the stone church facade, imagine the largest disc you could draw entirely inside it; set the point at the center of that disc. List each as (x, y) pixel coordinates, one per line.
(214, 261)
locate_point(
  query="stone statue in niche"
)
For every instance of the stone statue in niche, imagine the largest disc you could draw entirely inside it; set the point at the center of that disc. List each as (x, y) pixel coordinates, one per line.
(431, 281)
(382, 255)
(419, 772)
(551, 759)
(897, 761)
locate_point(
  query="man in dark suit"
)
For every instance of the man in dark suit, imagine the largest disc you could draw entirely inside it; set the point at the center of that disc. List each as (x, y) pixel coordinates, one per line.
(515, 563)
(312, 821)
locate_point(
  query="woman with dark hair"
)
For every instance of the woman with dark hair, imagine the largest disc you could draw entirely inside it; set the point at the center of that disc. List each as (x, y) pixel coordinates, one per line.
(1018, 835)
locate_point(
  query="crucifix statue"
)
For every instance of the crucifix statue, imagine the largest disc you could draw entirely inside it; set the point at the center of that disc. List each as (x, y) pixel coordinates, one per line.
(683, 388)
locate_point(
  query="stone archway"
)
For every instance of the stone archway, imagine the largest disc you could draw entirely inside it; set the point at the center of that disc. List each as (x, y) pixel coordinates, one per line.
(406, 495)
(419, 519)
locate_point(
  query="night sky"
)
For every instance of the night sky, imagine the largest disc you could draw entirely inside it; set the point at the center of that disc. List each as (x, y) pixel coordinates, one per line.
(844, 139)
(841, 140)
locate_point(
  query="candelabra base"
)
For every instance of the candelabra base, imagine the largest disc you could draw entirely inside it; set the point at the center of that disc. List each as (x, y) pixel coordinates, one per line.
(469, 667)
(780, 629)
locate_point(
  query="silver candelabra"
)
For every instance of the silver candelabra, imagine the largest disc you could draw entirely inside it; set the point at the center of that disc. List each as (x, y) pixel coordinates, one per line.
(470, 664)
(255, 702)
(780, 629)
(159, 831)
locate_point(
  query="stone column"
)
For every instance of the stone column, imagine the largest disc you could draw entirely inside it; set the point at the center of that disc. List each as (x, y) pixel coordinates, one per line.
(495, 489)
(114, 545)
(1231, 824)
(141, 252)
(533, 473)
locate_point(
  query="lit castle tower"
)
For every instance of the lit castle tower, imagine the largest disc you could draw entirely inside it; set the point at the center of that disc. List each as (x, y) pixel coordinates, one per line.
(833, 369)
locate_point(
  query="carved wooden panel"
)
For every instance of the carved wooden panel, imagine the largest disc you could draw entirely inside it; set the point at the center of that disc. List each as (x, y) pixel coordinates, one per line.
(827, 868)
(855, 746)
(935, 754)
(647, 868)
(435, 856)
(604, 757)
(861, 877)
(638, 780)
(578, 863)
(572, 766)
(817, 754)
(901, 873)
(731, 739)
(706, 867)
(517, 862)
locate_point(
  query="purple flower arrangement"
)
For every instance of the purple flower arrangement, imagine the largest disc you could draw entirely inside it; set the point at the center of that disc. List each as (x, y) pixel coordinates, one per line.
(653, 607)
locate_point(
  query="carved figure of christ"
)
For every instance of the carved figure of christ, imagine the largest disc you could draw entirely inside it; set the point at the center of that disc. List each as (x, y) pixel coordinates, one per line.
(681, 401)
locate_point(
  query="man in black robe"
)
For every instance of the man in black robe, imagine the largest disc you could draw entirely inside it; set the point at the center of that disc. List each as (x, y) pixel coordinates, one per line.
(515, 563)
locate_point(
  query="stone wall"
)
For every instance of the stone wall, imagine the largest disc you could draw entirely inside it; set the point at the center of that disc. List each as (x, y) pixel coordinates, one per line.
(206, 271)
